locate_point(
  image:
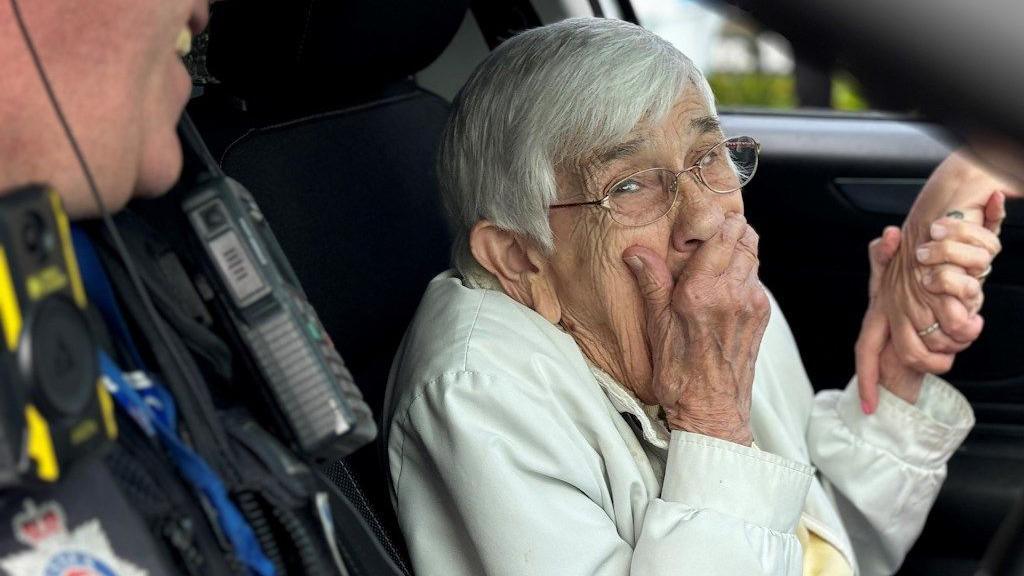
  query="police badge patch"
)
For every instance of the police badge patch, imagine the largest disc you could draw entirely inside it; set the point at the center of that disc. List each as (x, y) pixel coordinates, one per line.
(55, 551)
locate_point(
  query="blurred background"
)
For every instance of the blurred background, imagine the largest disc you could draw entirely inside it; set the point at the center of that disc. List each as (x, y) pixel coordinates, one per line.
(747, 66)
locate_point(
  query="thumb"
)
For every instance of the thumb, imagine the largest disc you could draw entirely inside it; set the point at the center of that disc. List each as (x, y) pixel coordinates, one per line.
(652, 277)
(995, 211)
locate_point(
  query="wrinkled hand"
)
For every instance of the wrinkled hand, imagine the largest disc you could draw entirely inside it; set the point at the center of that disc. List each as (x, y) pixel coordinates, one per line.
(895, 376)
(705, 331)
(938, 284)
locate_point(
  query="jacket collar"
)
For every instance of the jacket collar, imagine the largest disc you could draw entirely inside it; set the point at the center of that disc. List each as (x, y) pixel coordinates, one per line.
(652, 424)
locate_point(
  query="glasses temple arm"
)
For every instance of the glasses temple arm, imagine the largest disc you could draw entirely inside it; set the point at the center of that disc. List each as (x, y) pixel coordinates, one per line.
(572, 204)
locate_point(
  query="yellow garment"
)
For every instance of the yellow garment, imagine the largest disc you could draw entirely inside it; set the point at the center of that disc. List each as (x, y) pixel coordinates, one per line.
(820, 557)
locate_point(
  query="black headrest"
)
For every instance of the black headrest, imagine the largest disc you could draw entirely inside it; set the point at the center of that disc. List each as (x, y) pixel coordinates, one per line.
(324, 52)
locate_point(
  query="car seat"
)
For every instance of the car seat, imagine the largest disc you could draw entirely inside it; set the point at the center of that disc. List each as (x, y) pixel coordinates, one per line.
(318, 115)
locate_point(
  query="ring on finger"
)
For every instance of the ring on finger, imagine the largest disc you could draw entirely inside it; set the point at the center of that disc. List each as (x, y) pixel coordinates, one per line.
(981, 277)
(928, 330)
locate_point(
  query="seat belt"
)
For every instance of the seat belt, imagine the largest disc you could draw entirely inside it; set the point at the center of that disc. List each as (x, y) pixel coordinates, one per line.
(152, 408)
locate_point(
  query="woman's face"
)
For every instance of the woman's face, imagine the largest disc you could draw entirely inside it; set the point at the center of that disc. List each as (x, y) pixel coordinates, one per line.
(599, 299)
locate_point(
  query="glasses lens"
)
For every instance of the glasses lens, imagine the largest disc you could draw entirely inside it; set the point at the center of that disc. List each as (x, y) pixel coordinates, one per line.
(643, 197)
(730, 165)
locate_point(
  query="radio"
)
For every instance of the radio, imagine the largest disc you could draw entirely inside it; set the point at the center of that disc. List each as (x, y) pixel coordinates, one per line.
(54, 409)
(310, 385)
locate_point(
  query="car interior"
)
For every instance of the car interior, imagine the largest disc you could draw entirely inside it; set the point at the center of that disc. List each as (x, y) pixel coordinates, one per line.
(330, 114)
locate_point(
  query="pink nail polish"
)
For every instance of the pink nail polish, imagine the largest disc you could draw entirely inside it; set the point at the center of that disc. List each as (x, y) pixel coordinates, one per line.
(866, 407)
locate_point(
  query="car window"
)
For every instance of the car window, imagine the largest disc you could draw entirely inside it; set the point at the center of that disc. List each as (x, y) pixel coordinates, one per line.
(747, 66)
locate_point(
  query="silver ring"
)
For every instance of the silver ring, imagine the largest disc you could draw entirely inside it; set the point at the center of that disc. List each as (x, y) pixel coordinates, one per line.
(984, 274)
(928, 330)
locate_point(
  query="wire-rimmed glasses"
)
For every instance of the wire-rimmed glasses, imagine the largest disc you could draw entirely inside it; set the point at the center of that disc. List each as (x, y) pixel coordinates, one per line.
(645, 196)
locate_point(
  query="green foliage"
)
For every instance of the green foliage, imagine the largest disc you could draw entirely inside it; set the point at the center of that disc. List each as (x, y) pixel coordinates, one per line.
(847, 93)
(756, 90)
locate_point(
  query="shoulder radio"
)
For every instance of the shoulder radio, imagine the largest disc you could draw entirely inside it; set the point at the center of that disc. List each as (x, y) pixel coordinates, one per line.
(310, 387)
(311, 391)
(309, 383)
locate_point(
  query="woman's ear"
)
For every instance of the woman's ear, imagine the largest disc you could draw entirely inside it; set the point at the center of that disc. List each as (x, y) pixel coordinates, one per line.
(519, 265)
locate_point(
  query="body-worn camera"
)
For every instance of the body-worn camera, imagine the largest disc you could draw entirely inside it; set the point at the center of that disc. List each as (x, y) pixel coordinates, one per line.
(310, 385)
(54, 409)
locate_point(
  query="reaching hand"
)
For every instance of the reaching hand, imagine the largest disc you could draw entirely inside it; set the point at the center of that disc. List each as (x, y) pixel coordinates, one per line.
(925, 302)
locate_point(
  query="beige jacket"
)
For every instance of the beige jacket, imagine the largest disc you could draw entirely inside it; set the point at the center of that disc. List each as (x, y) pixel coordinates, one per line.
(508, 455)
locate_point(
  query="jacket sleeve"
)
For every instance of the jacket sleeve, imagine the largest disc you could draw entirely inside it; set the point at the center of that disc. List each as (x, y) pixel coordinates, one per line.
(493, 477)
(886, 468)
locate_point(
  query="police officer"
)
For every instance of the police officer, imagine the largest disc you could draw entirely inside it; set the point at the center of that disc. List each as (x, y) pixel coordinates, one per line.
(89, 106)
(116, 68)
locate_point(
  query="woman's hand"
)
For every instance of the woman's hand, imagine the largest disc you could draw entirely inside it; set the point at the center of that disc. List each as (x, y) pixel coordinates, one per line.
(948, 286)
(906, 305)
(895, 376)
(704, 331)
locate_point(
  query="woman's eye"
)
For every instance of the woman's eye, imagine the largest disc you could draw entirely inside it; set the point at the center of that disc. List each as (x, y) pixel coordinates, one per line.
(627, 187)
(709, 158)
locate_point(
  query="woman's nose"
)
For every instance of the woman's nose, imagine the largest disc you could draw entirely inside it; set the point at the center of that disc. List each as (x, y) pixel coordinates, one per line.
(697, 218)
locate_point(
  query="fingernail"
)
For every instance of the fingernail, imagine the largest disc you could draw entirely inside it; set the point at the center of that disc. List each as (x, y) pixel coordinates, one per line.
(939, 231)
(927, 278)
(922, 254)
(635, 263)
(865, 407)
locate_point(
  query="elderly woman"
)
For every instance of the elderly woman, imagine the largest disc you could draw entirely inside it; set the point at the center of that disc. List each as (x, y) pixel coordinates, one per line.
(603, 386)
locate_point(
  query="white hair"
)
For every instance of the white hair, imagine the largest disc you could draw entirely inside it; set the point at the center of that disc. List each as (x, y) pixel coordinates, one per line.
(547, 99)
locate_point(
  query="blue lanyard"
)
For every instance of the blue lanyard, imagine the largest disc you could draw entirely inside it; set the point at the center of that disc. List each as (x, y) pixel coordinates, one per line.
(153, 410)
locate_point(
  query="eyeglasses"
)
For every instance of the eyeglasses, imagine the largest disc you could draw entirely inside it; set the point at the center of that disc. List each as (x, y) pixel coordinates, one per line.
(645, 196)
